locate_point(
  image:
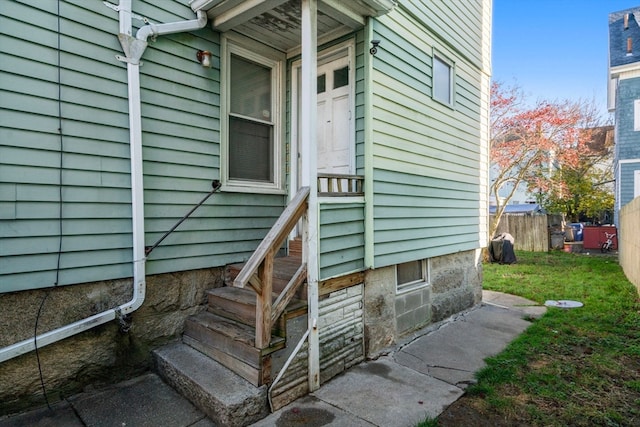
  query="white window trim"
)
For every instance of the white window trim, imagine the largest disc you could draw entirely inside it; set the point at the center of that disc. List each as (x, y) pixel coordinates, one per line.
(418, 284)
(636, 115)
(452, 79)
(263, 55)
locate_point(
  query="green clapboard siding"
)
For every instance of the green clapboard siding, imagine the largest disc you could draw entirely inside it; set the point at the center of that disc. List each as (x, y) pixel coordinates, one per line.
(341, 238)
(82, 89)
(426, 156)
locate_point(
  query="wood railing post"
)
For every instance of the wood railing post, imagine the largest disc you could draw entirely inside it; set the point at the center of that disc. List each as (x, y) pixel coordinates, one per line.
(263, 306)
(258, 271)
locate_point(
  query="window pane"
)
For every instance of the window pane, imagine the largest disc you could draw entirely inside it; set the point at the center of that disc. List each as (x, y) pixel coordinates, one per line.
(340, 77)
(250, 89)
(250, 150)
(409, 272)
(322, 83)
(441, 80)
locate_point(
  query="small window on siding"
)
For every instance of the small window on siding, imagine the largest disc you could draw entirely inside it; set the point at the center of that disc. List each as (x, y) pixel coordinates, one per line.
(411, 275)
(636, 115)
(442, 80)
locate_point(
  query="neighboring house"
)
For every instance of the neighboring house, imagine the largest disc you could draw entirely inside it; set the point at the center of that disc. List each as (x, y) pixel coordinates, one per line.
(118, 118)
(624, 102)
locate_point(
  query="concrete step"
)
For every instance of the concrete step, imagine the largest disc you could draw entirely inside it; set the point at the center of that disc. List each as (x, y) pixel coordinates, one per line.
(226, 398)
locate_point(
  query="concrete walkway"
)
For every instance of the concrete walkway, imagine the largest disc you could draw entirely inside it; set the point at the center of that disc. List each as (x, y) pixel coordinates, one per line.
(419, 377)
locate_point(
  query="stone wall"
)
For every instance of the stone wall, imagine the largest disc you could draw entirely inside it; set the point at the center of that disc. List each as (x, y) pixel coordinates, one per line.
(455, 285)
(103, 354)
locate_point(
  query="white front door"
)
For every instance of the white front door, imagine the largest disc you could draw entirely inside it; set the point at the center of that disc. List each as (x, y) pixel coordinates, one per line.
(334, 117)
(335, 129)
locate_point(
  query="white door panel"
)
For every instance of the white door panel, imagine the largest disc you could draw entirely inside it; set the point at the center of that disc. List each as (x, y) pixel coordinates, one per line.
(334, 118)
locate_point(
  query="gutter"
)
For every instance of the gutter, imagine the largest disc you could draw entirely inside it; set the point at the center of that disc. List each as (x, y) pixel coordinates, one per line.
(133, 49)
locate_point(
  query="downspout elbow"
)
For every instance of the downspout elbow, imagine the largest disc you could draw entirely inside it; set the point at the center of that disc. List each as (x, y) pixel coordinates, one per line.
(154, 30)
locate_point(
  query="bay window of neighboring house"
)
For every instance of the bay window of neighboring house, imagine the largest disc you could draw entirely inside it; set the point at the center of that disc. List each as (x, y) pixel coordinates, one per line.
(251, 127)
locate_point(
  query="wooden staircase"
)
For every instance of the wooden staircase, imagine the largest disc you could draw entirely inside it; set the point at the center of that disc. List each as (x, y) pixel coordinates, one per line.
(245, 321)
(225, 358)
(226, 331)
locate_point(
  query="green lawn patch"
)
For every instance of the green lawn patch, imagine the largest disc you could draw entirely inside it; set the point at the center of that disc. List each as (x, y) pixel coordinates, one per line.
(577, 366)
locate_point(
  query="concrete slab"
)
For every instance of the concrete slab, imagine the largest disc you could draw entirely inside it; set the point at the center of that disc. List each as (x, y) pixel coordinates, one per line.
(310, 411)
(515, 303)
(385, 393)
(60, 414)
(144, 401)
(454, 352)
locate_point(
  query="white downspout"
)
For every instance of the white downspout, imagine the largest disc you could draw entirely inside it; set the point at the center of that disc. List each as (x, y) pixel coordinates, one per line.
(134, 48)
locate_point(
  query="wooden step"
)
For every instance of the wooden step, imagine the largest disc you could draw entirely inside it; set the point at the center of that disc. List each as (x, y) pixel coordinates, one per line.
(240, 305)
(234, 303)
(232, 344)
(295, 247)
(283, 270)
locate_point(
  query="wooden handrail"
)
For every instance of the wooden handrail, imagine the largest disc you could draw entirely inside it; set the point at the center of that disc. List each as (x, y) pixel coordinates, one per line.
(273, 240)
(258, 271)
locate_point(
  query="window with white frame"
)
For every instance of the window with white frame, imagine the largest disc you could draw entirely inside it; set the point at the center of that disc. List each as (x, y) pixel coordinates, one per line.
(251, 127)
(411, 275)
(636, 115)
(443, 82)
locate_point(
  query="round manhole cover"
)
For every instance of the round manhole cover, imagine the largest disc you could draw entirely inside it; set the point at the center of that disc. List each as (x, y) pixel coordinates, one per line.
(563, 303)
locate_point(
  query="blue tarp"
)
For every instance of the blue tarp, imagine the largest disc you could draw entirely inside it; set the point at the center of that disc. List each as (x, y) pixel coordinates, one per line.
(526, 208)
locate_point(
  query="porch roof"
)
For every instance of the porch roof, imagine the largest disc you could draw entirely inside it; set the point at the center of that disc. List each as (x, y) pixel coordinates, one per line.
(278, 22)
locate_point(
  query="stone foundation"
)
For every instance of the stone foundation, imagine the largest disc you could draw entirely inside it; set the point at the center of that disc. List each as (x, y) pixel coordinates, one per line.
(455, 285)
(105, 354)
(100, 355)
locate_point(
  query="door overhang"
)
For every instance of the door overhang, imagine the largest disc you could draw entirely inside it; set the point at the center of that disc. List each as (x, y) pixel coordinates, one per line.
(278, 22)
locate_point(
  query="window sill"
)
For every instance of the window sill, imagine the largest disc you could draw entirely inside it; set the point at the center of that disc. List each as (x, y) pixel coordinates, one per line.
(248, 188)
(412, 287)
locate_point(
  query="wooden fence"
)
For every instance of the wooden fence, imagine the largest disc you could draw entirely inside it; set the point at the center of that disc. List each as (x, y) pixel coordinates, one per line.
(629, 241)
(530, 232)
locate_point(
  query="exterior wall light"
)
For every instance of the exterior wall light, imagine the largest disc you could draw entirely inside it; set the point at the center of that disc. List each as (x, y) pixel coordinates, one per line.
(204, 58)
(374, 47)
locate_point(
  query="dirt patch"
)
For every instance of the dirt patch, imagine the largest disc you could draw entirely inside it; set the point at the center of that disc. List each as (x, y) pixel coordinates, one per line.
(468, 411)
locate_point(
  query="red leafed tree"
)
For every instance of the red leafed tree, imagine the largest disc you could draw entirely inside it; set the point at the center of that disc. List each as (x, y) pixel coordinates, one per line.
(529, 142)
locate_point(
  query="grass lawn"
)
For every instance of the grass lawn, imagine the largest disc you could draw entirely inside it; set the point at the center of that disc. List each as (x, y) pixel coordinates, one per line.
(579, 366)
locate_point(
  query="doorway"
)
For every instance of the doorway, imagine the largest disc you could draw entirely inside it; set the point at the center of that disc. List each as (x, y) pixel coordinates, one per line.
(335, 115)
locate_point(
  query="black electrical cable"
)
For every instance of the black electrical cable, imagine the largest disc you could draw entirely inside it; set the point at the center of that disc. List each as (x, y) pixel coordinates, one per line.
(60, 213)
(35, 334)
